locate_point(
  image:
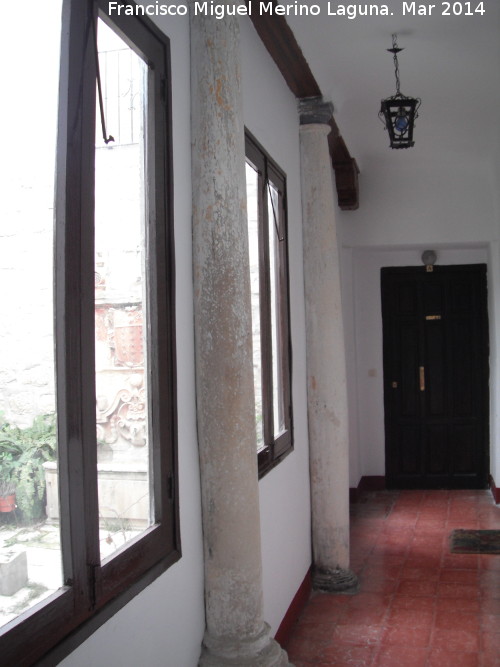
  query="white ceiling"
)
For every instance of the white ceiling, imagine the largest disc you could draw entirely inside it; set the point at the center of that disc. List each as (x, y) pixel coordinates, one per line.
(451, 63)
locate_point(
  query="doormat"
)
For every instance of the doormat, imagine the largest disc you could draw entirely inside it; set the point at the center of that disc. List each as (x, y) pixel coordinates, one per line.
(475, 541)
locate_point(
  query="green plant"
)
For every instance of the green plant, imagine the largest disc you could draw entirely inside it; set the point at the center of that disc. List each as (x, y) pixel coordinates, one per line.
(9, 459)
(7, 487)
(24, 451)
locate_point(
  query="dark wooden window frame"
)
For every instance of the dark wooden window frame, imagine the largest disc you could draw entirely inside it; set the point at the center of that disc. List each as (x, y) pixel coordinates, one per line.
(275, 448)
(92, 590)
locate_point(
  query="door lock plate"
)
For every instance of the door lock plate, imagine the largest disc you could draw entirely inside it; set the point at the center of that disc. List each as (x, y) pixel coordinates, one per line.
(421, 370)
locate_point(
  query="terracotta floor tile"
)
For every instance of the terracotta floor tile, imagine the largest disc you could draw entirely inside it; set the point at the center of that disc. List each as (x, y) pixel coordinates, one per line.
(454, 524)
(466, 605)
(360, 635)
(489, 562)
(368, 599)
(393, 656)
(385, 559)
(402, 517)
(395, 552)
(459, 640)
(363, 616)
(456, 620)
(487, 660)
(434, 525)
(417, 605)
(417, 588)
(406, 636)
(307, 649)
(460, 561)
(465, 519)
(429, 537)
(424, 559)
(381, 571)
(489, 578)
(420, 573)
(320, 633)
(444, 658)
(459, 576)
(433, 513)
(359, 656)
(490, 642)
(370, 585)
(490, 622)
(324, 606)
(409, 618)
(490, 606)
(454, 590)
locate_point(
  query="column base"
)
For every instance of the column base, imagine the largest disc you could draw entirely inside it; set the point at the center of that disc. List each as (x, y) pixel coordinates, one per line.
(335, 581)
(259, 651)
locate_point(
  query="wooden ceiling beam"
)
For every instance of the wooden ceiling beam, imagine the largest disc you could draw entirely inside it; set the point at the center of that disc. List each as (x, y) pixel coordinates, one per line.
(280, 42)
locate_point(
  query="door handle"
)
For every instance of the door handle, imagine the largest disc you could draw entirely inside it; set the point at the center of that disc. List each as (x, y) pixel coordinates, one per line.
(421, 370)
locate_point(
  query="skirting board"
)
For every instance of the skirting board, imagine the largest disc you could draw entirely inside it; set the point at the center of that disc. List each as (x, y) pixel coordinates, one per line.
(367, 483)
(377, 483)
(494, 490)
(294, 610)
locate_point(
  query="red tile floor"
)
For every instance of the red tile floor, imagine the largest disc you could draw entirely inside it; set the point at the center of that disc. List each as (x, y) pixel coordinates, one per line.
(418, 604)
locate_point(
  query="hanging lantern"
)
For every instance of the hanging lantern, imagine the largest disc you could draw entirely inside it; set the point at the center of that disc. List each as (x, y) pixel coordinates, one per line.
(398, 112)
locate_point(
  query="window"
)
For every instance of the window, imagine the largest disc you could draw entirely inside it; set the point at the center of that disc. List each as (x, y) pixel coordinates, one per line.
(266, 206)
(102, 377)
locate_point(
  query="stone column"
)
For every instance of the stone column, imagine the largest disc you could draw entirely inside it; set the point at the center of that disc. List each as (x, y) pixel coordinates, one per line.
(235, 631)
(326, 369)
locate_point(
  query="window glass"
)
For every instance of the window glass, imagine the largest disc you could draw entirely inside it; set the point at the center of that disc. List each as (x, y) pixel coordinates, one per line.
(275, 299)
(252, 178)
(30, 553)
(122, 354)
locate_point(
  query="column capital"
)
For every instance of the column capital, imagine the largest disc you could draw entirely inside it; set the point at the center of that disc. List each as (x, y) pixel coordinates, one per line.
(315, 110)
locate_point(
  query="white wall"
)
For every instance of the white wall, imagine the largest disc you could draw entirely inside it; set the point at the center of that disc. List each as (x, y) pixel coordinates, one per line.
(270, 112)
(407, 205)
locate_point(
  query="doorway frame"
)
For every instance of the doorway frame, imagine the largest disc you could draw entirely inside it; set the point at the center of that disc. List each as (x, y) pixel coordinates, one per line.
(485, 373)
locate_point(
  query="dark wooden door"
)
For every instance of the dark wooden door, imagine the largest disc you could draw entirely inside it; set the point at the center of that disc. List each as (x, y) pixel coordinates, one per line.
(435, 328)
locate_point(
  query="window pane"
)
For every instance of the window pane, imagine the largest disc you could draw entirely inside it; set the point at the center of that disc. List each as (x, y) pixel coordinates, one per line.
(30, 557)
(252, 178)
(122, 355)
(276, 334)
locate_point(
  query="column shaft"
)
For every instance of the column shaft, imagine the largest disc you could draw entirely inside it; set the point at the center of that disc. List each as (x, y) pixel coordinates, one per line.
(235, 631)
(326, 370)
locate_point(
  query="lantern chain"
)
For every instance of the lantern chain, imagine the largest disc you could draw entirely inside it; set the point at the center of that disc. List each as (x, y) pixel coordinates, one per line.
(395, 50)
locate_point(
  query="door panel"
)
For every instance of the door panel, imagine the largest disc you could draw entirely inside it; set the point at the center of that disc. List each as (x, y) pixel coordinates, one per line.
(434, 364)
(463, 403)
(436, 376)
(409, 454)
(464, 456)
(437, 449)
(408, 361)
